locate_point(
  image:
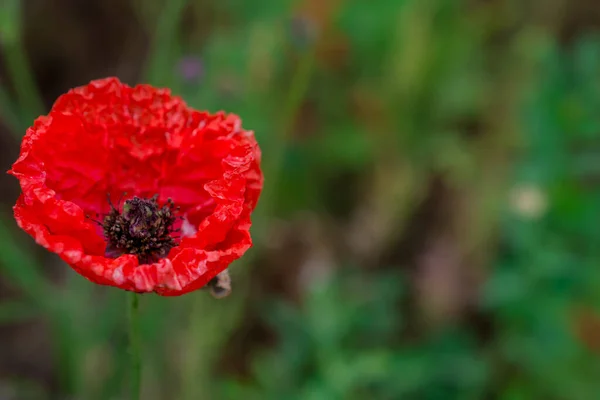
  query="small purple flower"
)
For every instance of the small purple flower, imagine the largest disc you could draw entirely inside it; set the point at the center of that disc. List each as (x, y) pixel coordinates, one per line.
(190, 68)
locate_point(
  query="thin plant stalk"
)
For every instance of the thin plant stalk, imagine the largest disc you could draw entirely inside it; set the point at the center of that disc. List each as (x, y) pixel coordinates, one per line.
(134, 346)
(28, 97)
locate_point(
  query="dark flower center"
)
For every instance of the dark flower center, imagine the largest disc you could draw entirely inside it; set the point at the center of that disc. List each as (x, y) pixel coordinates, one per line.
(142, 228)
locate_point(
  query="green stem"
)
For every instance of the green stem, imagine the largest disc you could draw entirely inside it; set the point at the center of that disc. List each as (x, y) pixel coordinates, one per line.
(161, 47)
(28, 97)
(273, 164)
(134, 346)
(9, 115)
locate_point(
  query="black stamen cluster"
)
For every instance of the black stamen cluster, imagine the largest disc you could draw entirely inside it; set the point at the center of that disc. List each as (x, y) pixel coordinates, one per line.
(142, 228)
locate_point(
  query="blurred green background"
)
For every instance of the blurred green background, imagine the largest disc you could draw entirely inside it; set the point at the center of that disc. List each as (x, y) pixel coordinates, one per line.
(430, 224)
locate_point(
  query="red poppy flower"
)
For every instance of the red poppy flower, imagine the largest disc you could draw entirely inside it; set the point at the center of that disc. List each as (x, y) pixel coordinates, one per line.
(134, 189)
